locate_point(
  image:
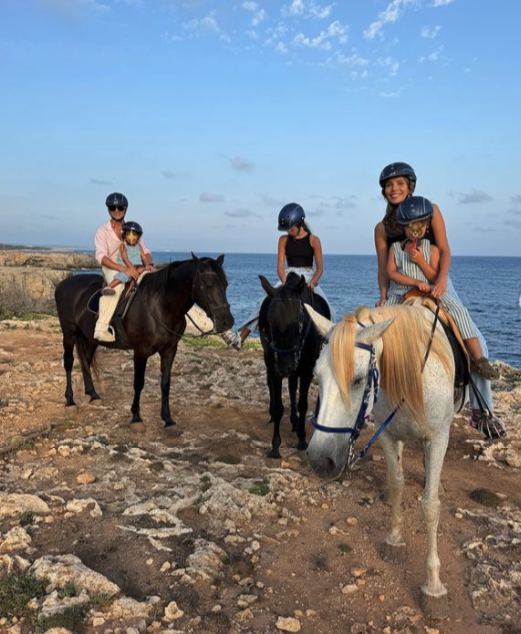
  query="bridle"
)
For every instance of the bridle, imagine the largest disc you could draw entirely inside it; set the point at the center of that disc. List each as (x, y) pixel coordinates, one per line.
(371, 387)
(296, 349)
(198, 281)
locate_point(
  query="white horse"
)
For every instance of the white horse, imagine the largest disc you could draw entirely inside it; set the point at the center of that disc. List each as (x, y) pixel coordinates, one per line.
(388, 346)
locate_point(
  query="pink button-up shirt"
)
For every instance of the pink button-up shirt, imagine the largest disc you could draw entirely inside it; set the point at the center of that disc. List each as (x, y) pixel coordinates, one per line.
(107, 243)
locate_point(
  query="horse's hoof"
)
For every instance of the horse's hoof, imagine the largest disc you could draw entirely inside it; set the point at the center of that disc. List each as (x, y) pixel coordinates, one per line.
(137, 427)
(274, 453)
(173, 432)
(97, 402)
(302, 446)
(170, 422)
(435, 607)
(71, 409)
(392, 553)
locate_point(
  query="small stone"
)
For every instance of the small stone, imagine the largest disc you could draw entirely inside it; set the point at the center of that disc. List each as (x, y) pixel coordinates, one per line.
(288, 624)
(172, 612)
(98, 621)
(85, 478)
(244, 615)
(118, 487)
(431, 630)
(458, 516)
(381, 598)
(358, 572)
(217, 608)
(350, 588)
(351, 521)
(284, 464)
(166, 566)
(149, 562)
(311, 613)
(325, 507)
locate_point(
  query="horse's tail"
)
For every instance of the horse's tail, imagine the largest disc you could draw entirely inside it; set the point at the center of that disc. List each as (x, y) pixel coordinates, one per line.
(81, 349)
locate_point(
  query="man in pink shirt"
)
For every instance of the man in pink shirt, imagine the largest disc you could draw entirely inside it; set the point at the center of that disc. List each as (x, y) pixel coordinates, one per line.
(108, 241)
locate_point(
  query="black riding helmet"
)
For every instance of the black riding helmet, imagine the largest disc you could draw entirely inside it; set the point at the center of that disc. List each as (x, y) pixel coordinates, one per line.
(116, 199)
(131, 226)
(414, 209)
(397, 169)
(290, 215)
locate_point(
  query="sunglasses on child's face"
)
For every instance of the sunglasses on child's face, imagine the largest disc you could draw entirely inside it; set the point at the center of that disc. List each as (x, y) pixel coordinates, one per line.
(116, 208)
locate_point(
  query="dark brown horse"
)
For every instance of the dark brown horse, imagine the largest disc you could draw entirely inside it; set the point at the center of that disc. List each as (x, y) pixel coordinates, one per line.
(154, 322)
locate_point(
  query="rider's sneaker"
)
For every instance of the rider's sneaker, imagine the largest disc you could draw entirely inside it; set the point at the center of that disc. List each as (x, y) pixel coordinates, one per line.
(489, 425)
(108, 291)
(232, 339)
(486, 369)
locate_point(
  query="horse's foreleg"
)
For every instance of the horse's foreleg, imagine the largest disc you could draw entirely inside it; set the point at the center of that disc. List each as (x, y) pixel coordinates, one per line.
(68, 363)
(167, 359)
(394, 546)
(305, 382)
(276, 412)
(434, 593)
(140, 366)
(293, 385)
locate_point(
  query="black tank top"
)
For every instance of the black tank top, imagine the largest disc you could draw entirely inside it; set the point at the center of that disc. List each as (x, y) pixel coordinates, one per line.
(299, 253)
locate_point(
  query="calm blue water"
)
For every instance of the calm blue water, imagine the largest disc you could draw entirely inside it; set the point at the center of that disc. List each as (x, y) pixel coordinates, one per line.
(490, 287)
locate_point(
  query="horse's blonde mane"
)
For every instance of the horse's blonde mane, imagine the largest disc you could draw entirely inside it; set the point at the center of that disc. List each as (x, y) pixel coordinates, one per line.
(405, 342)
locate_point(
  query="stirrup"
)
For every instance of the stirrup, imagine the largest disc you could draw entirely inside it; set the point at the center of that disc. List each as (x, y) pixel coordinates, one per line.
(232, 339)
(489, 425)
(486, 369)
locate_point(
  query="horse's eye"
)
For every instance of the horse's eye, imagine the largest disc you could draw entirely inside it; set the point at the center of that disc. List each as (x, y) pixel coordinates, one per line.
(358, 381)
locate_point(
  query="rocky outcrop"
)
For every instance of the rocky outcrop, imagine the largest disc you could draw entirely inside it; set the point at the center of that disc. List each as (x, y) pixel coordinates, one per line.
(28, 279)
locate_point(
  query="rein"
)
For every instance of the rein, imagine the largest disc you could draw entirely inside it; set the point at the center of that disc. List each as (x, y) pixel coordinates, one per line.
(296, 349)
(212, 310)
(372, 385)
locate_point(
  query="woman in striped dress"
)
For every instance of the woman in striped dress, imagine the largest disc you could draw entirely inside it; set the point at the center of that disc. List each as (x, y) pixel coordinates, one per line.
(415, 263)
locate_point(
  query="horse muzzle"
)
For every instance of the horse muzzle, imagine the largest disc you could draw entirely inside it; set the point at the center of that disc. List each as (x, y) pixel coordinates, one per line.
(327, 455)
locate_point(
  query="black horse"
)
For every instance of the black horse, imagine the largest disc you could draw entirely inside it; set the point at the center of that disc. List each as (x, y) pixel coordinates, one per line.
(291, 345)
(155, 321)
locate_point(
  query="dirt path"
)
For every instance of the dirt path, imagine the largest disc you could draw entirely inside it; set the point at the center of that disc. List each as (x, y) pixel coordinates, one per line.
(307, 549)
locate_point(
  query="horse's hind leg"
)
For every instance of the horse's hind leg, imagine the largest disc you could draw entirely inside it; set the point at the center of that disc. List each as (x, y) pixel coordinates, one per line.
(68, 363)
(140, 366)
(393, 549)
(86, 357)
(292, 386)
(167, 359)
(434, 594)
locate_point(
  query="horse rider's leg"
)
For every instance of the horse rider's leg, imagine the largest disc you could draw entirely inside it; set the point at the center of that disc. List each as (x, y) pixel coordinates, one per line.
(107, 308)
(394, 546)
(68, 363)
(305, 382)
(86, 362)
(276, 412)
(167, 359)
(434, 594)
(293, 386)
(140, 365)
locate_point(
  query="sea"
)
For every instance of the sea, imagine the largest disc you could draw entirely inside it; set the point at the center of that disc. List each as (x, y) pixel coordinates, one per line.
(490, 288)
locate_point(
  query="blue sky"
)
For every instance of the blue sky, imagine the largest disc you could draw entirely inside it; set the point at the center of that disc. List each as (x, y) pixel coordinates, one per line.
(211, 115)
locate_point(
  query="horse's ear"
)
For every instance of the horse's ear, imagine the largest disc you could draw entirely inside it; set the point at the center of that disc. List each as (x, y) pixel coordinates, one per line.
(324, 326)
(220, 259)
(195, 258)
(372, 333)
(270, 291)
(301, 285)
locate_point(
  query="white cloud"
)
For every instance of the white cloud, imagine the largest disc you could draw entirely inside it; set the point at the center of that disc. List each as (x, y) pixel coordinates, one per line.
(441, 3)
(208, 24)
(335, 30)
(319, 11)
(351, 60)
(434, 57)
(241, 164)
(249, 6)
(475, 196)
(259, 17)
(281, 48)
(390, 64)
(242, 213)
(206, 197)
(390, 15)
(295, 8)
(430, 32)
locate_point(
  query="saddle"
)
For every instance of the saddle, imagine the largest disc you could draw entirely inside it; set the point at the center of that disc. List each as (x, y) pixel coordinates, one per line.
(462, 360)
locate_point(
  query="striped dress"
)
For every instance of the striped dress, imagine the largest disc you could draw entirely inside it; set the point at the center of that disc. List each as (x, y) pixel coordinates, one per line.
(450, 302)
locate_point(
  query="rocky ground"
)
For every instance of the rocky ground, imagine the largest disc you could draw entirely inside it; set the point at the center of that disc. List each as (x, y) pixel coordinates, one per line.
(104, 529)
